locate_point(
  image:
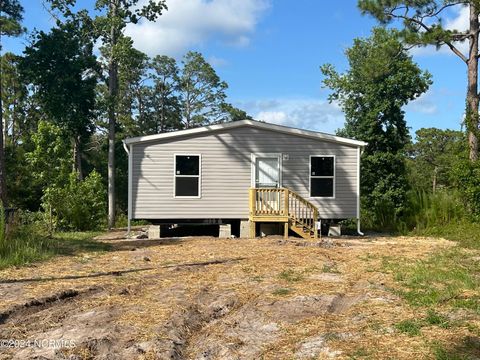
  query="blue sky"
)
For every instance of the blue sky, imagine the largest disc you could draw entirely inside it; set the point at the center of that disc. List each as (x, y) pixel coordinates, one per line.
(270, 51)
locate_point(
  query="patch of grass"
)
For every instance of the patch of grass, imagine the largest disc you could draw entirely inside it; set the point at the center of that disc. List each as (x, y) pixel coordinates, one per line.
(409, 327)
(247, 269)
(310, 269)
(446, 277)
(465, 233)
(441, 353)
(281, 291)
(330, 268)
(26, 244)
(360, 353)
(434, 318)
(474, 329)
(368, 257)
(412, 327)
(291, 275)
(331, 336)
(466, 349)
(71, 243)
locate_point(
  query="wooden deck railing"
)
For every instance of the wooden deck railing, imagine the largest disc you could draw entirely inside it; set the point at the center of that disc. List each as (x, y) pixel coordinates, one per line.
(281, 203)
(268, 201)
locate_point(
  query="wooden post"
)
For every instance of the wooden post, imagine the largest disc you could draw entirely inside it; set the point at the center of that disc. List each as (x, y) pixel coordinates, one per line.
(286, 212)
(315, 220)
(252, 229)
(251, 200)
(252, 204)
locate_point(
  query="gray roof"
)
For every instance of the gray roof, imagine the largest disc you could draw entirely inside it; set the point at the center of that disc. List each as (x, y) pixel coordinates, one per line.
(244, 123)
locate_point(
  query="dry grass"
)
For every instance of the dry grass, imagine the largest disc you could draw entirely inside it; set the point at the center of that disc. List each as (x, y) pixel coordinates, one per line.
(145, 301)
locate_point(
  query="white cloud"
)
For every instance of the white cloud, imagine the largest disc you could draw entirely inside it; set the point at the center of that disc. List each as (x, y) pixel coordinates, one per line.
(425, 104)
(275, 117)
(189, 23)
(304, 113)
(459, 22)
(217, 61)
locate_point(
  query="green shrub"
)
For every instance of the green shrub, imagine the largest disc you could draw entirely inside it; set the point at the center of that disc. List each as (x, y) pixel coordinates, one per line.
(426, 210)
(380, 216)
(384, 189)
(78, 206)
(423, 211)
(467, 176)
(24, 245)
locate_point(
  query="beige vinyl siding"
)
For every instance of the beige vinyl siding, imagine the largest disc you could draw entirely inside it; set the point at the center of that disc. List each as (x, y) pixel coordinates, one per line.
(226, 173)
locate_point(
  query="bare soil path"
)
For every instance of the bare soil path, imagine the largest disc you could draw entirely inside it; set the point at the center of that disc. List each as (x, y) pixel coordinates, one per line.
(206, 298)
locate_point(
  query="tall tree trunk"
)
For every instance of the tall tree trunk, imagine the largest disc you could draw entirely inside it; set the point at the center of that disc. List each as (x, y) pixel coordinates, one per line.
(434, 183)
(162, 114)
(112, 93)
(141, 110)
(3, 188)
(14, 120)
(187, 112)
(5, 124)
(472, 89)
(77, 158)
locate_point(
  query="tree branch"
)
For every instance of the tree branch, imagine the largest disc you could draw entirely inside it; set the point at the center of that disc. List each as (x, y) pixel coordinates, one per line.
(447, 6)
(428, 29)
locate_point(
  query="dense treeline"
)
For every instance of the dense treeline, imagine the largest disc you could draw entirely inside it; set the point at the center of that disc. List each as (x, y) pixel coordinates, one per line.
(65, 107)
(406, 184)
(58, 103)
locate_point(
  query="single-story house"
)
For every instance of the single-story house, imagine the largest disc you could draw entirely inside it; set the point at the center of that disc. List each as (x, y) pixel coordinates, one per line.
(244, 172)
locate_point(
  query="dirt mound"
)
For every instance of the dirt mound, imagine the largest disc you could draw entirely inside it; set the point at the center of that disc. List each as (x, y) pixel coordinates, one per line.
(221, 326)
(205, 308)
(303, 307)
(95, 333)
(37, 305)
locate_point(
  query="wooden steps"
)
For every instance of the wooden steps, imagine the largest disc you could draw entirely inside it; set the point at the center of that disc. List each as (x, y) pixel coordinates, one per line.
(302, 231)
(285, 206)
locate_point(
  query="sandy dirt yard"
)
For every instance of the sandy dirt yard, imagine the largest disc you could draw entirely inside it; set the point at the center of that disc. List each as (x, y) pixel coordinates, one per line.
(210, 298)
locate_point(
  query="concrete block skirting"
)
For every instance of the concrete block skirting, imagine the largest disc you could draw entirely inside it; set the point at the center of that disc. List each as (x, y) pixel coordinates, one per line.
(244, 229)
(225, 231)
(154, 232)
(334, 230)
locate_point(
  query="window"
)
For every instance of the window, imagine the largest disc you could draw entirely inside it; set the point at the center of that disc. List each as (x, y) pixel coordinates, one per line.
(322, 176)
(187, 176)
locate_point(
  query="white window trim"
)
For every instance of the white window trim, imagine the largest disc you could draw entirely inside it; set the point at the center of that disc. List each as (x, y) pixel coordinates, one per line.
(199, 176)
(322, 177)
(254, 157)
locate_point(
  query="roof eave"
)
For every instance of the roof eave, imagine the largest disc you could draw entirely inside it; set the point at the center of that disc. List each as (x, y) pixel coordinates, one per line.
(252, 123)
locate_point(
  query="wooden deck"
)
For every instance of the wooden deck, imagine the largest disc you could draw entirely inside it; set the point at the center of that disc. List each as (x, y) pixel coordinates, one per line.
(283, 205)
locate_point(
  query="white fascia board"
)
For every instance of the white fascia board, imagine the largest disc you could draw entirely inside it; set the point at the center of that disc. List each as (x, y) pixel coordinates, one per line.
(251, 123)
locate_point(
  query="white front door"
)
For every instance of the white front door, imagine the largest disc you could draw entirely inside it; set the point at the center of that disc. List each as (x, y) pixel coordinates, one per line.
(267, 171)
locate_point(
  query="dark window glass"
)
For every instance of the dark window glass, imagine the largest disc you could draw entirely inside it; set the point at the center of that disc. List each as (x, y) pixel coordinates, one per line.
(187, 165)
(321, 187)
(322, 166)
(186, 186)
